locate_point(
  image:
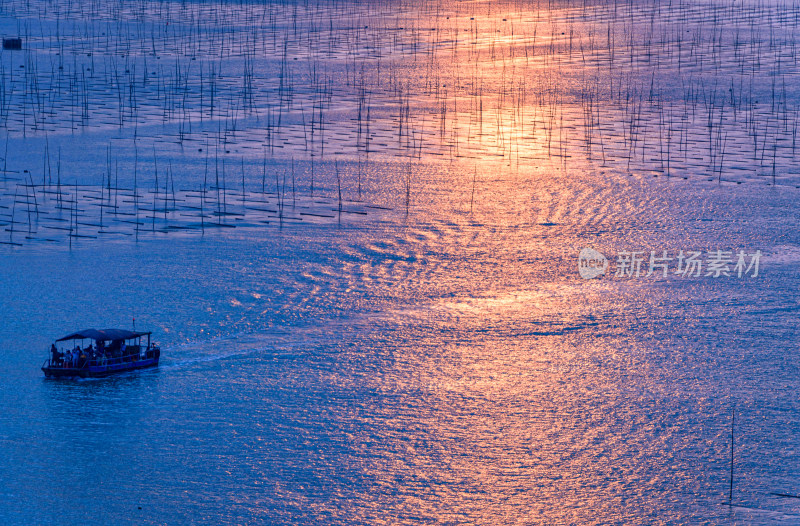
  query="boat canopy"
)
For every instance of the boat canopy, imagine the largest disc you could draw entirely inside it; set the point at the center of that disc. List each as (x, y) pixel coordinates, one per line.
(103, 335)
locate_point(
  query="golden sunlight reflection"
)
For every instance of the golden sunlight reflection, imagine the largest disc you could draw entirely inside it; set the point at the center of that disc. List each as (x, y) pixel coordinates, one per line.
(357, 227)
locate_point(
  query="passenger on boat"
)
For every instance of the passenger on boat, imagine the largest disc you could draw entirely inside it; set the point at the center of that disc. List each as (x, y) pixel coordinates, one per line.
(55, 354)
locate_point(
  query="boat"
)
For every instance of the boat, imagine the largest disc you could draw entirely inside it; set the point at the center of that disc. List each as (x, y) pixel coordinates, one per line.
(110, 351)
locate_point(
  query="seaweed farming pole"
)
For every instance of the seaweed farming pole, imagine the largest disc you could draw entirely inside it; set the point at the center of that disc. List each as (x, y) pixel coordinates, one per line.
(472, 196)
(216, 175)
(264, 173)
(280, 195)
(244, 204)
(74, 216)
(136, 189)
(203, 196)
(13, 210)
(730, 490)
(166, 190)
(359, 177)
(224, 190)
(5, 160)
(338, 186)
(35, 200)
(116, 186)
(102, 205)
(155, 195)
(408, 187)
(46, 168)
(312, 174)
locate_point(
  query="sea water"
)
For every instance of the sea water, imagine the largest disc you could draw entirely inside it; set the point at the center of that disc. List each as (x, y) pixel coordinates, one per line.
(437, 360)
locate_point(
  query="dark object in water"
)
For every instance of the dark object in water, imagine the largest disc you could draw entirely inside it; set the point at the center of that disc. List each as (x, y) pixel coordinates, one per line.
(110, 354)
(12, 43)
(786, 495)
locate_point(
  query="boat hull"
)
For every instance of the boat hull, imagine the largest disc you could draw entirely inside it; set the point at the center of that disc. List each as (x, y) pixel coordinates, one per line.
(98, 371)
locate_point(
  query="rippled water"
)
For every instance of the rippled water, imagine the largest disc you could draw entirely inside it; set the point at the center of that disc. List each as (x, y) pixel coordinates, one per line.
(440, 367)
(441, 361)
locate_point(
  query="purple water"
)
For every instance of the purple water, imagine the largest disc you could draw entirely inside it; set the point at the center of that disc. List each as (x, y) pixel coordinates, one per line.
(441, 361)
